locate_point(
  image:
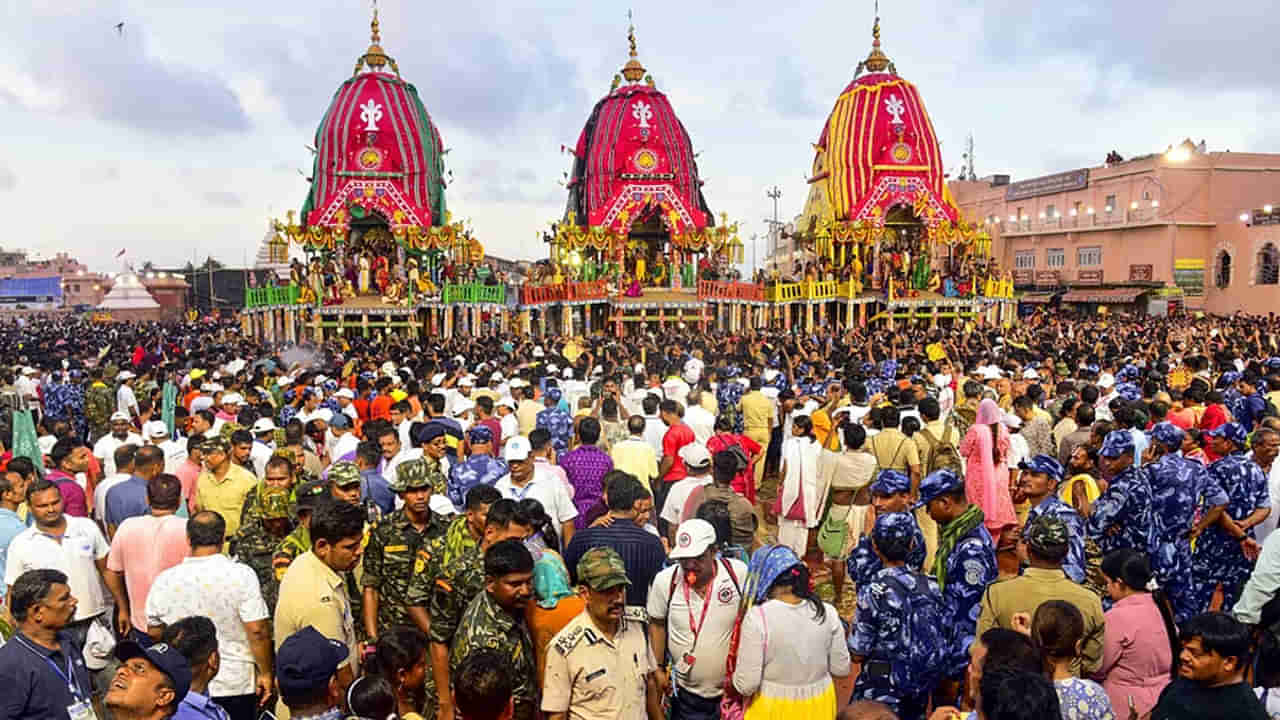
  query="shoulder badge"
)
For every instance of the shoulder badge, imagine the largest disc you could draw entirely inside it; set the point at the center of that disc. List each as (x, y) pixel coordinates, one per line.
(570, 639)
(635, 613)
(420, 563)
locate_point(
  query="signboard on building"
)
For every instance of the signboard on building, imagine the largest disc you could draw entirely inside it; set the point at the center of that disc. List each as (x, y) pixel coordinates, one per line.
(1089, 277)
(1262, 217)
(1141, 273)
(1048, 185)
(1048, 278)
(1188, 274)
(1023, 277)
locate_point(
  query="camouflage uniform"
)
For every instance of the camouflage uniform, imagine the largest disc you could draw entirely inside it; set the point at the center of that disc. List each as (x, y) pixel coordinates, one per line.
(293, 545)
(398, 551)
(256, 544)
(345, 474)
(99, 403)
(485, 624)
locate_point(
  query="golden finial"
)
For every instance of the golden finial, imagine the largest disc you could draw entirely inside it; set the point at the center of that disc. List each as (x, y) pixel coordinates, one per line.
(877, 61)
(633, 71)
(375, 57)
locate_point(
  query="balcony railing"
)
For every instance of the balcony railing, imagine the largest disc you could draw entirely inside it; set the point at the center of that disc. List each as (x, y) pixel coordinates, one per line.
(711, 290)
(474, 293)
(259, 297)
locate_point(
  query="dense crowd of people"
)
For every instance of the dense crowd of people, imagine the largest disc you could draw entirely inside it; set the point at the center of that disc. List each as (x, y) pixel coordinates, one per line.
(1072, 517)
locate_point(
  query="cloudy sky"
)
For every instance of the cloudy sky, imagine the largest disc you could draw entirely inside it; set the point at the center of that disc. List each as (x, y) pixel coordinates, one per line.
(181, 135)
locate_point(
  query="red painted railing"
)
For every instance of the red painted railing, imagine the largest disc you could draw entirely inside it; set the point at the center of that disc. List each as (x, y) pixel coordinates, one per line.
(711, 290)
(564, 292)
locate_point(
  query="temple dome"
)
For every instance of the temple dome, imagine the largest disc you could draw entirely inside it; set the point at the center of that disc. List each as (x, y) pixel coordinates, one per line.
(377, 151)
(634, 155)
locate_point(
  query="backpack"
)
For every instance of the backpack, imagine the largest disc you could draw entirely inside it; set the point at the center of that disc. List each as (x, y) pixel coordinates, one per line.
(924, 617)
(943, 452)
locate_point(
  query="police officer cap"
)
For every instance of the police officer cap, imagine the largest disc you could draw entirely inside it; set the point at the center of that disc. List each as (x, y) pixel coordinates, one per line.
(1168, 435)
(1043, 464)
(344, 474)
(1048, 536)
(938, 483)
(894, 527)
(413, 475)
(602, 568)
(307, 660)
(1117, 442)
(275, 503)
(554, 394)
(424, 433)
(1231, 431)
(480, 435)
(311, 493)
(890, 482)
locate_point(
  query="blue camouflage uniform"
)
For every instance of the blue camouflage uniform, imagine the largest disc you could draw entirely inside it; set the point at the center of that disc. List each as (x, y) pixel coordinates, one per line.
(1121, 516)
(728, 394)
(963, 574)
(1073, 565)
(1179, 487)
(1218, 556)
(557, 422)
(479, 469)
(1251, 408)
(898, 631)
(863, 562)
(65, 401)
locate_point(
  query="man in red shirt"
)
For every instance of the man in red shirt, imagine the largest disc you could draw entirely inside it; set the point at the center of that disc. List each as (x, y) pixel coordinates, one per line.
(380, 407)
(671, 468)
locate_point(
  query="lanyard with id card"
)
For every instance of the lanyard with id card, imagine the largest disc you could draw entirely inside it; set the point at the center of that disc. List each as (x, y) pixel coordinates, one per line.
(686, 661)
(81, 708)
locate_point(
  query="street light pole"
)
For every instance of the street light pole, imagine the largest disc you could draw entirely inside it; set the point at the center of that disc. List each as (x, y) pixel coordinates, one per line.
(774, 193)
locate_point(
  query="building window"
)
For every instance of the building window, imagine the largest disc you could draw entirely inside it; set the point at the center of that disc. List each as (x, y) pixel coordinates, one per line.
(1055, 257)
(1050, 212)
(1268, 265)
(1111, 203)
(1024, 260)
(1222, 270)
(1088, 256)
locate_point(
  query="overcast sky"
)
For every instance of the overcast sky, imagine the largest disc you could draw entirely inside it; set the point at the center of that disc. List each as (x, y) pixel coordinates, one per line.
(181, 135)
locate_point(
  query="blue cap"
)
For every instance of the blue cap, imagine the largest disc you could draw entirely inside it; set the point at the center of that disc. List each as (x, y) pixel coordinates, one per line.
(1043, 464)
(423, 433)
(1168, 435)
(165, 658)
(889, 482)
(306, 660)
(894, 526)
(938, 483)
(1231, 431)
(1117, 442)
(1129, 391)
(554, 394)
(1228, 378)
(479, 435)
(1273, 363)
(340, 420)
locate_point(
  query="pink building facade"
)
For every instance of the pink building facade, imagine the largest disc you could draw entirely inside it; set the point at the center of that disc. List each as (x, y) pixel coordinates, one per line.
(1193, 227)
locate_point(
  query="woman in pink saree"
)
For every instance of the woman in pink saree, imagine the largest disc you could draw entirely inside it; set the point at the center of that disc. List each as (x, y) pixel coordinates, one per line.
(985, 449)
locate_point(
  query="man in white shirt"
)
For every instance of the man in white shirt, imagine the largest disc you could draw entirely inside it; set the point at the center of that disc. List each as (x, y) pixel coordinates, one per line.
(213, 585)
(157, 433)
(524, 481)
(73, 545)
(697, 462)
(344, 398)
(123, 460)
(507, 420)
(654, 428)
(700, 420)
(344, 440)
(105, 448)
(264, 445)
(25, 386)
(676, 389)
(459, 397)
(674, 605)
(126, 401)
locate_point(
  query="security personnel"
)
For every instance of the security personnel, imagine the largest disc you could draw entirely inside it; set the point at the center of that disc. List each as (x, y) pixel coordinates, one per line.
(310, 495)
(1179, 487)
(1121, 516)
(397, 549)
(898, 635)
(556, 421)
(890, 493)
(259, 539)
(964, 564)
(600, 664)
(1225, 552)
(482, 468)
(1039, 481)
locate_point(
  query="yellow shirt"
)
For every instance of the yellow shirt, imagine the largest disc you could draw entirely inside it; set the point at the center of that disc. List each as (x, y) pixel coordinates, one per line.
(527, 414)
(1024, 594)
(226, 496)
(311, 593)
(894, 451)
(590, 676)
(636, 456)
(757, 411)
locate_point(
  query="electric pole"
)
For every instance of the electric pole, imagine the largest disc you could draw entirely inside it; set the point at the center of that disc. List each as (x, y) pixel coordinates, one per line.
(773, 193)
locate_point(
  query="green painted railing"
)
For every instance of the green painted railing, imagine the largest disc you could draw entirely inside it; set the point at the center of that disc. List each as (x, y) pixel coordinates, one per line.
(474, 293)
(258, 297)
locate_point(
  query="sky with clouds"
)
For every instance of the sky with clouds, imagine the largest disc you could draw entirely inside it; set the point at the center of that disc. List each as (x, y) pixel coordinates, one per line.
(180, 135)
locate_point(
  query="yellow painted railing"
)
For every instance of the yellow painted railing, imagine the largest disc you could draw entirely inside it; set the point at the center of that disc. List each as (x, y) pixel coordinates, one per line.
(820, 289)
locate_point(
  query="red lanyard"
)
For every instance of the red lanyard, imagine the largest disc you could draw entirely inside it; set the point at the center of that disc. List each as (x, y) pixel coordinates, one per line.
(706, 603)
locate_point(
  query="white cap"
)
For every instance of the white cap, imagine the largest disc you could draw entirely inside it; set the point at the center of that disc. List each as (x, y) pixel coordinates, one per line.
(28, 370)
(319, 380)
(232, 399)
(695, 455)
(463, 405)
(567, 374)
(517, 449)
(518, 383)
(438, 378)
(990, 372)
(638, 369)
(1010, 420)
(122, 375)
(495, 377)
(202, 402)
(156, 428)
(262, 425)
(538, 352)
(466, 381)
(507, 400)
(941, 380)
(441, 505)
(119, 416)
(769, 375)
(1030, 374)
(693, 537)
(553, 368)
(345, 393)
(1106, 380)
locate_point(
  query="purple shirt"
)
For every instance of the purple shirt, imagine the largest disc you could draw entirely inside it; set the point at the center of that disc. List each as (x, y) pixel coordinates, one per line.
(586, 468)
(73, 498)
